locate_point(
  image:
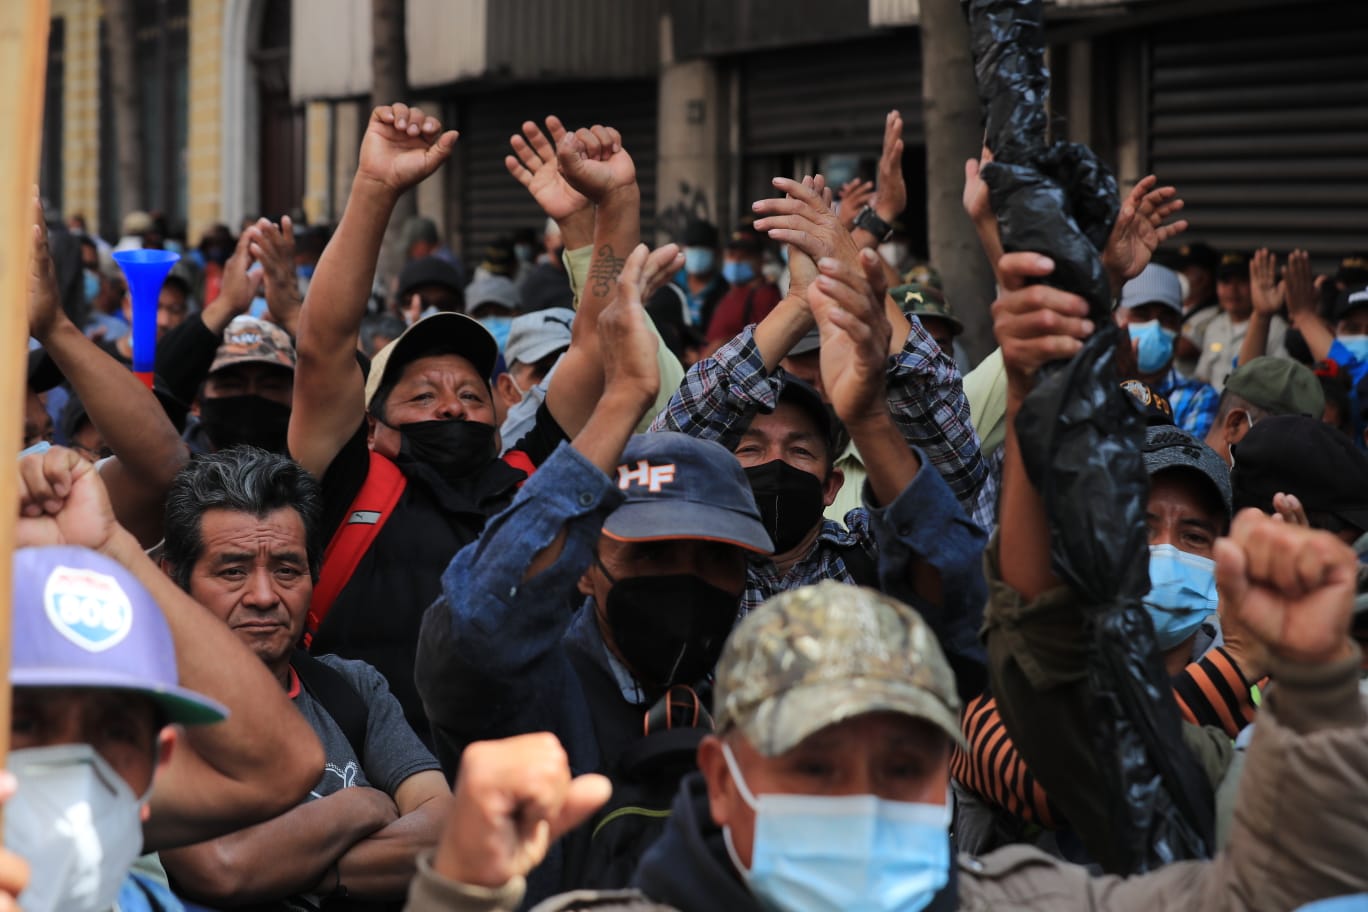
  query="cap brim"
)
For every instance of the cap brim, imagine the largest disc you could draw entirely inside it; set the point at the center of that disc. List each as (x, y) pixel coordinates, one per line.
(781, 722)
(43, 372)
(663, 520)
(445, 332)
(252, 358)
(535, 353)
(180, 705)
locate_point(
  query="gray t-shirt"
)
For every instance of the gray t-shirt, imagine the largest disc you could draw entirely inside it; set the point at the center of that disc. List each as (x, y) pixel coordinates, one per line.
(392, 751)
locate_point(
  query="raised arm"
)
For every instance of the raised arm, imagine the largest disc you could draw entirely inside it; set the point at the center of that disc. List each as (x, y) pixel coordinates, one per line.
(273, 246)
(402, 146)
(533, 164)
(1301, 306)
(1266, 294)
(478, 639)
(259, 762)
(1139, 229)
(594, 163)
(147, 450)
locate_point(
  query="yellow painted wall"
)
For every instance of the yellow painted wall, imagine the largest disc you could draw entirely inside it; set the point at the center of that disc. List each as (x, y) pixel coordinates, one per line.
(206, 117)
(81, 107)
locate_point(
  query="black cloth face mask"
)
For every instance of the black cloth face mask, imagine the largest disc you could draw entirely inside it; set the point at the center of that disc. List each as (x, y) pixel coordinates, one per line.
(790, 501)
(669, 629)
(246, 420)
(455, 450)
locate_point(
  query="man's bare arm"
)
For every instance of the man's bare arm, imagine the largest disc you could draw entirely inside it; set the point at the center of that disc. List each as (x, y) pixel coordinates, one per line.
(402, 146)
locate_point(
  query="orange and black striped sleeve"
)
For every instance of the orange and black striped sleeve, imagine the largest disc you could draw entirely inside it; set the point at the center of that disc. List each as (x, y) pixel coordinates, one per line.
(1213, 691)
(993, 769)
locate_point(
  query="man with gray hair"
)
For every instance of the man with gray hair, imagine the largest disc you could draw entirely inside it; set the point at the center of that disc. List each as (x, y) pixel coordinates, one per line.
(243, 540)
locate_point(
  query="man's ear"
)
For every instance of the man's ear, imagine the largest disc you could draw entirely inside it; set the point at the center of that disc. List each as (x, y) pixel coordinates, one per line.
(507, 390)
(166, 749)
(713, 765)
(370, 431)
(1236, 425)
(832, 486)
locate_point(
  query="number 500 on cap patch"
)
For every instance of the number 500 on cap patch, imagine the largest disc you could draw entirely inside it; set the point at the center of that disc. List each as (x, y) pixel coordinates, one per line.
(88, 608)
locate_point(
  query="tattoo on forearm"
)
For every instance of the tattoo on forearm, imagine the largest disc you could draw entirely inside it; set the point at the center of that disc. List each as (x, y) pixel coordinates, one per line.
(604, 270)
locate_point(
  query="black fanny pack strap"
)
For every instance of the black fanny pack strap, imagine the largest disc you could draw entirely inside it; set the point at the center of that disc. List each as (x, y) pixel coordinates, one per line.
(338, 697)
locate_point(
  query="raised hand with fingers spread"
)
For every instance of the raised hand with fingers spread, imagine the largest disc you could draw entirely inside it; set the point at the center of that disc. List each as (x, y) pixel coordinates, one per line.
(273, 246)
(855, 195)
(534, 164)
(1265, 291)
(1139, 229)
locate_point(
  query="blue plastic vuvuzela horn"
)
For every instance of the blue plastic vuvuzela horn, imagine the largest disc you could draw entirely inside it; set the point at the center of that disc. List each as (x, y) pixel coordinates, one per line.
(146, 271)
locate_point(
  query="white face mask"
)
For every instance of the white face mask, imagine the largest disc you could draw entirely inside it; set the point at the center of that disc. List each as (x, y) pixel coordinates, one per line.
(78, 825)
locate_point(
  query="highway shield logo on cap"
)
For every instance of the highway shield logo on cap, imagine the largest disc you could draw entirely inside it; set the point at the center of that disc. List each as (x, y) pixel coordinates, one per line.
(88, 608)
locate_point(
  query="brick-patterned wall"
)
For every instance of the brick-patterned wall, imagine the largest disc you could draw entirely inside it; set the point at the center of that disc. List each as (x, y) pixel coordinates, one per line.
(206, 117)
(81, 107)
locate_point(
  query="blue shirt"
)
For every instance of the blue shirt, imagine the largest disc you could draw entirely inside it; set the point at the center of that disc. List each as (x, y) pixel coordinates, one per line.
(1194, 402)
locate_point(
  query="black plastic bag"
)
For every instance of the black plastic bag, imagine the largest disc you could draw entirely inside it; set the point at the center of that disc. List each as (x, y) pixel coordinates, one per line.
(1080, 436)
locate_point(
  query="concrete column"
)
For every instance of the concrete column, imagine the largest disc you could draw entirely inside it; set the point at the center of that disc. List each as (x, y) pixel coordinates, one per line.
(203, 167)
(318, 161)
(346, 150)
(81, 108)
(692, 131)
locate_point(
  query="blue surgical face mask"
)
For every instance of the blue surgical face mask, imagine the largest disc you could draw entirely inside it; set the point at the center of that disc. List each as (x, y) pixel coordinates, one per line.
(92, 285)
(699, 260)
(498, 327)
(815, 852)
(738, 272)
(1156, 346)
(1357, 345)
(1182, 593)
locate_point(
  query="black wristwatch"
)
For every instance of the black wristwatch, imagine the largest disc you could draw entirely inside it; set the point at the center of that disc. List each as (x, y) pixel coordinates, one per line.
(869, 220)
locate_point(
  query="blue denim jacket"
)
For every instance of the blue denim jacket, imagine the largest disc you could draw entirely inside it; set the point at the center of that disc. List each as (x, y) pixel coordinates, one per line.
(492, 657)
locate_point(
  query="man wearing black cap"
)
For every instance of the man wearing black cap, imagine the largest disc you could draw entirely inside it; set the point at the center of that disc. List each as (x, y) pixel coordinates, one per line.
(1224, 334)
(408, 455)
(427, 286)
(750, 298)
(702, 280)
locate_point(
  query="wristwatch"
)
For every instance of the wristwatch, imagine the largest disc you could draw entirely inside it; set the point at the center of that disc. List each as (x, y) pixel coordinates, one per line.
(869, 220)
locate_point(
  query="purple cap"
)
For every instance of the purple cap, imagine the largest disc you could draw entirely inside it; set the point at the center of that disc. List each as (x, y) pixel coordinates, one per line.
(82, 620)
(679, 486)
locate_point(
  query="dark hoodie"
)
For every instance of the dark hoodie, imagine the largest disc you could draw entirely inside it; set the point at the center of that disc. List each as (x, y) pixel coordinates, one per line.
(688, 867)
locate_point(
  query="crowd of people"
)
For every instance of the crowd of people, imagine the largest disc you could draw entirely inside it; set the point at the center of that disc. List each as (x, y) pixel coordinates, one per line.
(703, 577)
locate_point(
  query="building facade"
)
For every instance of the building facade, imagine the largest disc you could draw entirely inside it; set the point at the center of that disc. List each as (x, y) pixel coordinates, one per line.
(1257, 110)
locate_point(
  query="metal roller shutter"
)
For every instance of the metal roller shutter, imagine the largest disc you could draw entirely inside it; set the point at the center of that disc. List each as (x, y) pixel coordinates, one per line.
(831, 99)
(493, 203)
(1261, 121)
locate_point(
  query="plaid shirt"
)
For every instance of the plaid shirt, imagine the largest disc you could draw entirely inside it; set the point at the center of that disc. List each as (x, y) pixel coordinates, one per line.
(1194, 402)
(720, 395)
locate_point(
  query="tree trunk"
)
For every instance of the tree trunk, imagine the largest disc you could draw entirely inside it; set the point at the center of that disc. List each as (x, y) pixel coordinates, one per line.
(389, 83)
(954, 133)
(128, 139)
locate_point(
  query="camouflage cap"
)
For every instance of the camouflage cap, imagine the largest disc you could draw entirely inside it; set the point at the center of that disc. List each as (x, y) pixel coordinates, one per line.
(249, 340)
(818, 655)
(918, 299)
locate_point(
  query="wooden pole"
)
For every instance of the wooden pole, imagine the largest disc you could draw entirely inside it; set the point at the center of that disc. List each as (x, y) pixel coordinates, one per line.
(23, 67)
